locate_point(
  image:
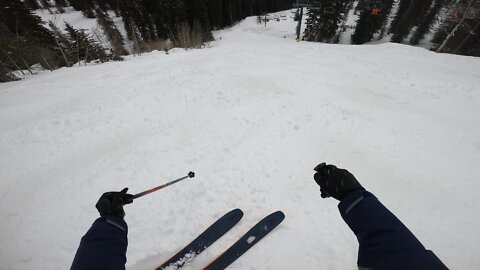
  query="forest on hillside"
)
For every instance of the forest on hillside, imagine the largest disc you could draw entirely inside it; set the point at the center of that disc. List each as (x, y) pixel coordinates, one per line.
(451, 26)
(25, 40)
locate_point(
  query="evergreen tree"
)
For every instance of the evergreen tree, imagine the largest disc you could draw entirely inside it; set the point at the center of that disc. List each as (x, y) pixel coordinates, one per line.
(401, 13)
(227, 12)
(386, 12)
(25, 41)
(215, 14)
(168, 15)
(32, 4)
(373, 16)
(7, 65)
(425, 25)
(114, 36)
(61, 3)
(20, 20)
(45, 4)
(322, 24)
(410, 14)
(260, 6)
(365, 28)
(197, 12)
(85, 6)
(63, 45)
(84, 46)
(137, 19)
(312, 25)
(442, 32)
(113, 5)
(334, 15)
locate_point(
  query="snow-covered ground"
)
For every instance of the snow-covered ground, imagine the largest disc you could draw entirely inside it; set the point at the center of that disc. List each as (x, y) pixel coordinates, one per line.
(251, 116)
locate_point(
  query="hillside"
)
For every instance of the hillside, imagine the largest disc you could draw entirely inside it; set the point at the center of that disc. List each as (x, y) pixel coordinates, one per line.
(252, 116)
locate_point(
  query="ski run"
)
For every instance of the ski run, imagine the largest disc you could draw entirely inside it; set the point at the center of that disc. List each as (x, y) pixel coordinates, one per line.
(252, 114)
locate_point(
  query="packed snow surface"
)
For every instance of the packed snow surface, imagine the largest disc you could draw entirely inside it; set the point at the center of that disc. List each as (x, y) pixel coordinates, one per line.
(252, 116)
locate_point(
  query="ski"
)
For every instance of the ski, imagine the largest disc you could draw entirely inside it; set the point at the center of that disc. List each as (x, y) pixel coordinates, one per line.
(204, 240)
(255, 234)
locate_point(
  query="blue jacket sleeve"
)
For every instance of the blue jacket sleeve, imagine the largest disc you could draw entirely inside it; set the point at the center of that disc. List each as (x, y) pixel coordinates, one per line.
(104, 246)
(384, 242)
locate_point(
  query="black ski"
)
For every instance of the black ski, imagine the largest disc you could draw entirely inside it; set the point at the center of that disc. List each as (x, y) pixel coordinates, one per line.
(255, 234)
(204, 240)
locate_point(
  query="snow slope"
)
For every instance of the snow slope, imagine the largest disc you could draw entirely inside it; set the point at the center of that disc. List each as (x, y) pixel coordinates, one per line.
(251, 116)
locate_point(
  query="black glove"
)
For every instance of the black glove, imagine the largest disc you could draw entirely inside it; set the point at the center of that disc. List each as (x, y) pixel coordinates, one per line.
(112, 203)
(335, 182)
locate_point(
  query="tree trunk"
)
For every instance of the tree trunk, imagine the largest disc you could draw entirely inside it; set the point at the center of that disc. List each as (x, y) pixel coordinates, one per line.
(465, 14)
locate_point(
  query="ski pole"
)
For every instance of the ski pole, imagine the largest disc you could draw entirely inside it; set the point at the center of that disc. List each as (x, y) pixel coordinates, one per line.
(190, 175)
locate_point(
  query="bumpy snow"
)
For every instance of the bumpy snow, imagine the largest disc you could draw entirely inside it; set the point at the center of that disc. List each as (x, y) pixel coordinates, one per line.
(252, 116)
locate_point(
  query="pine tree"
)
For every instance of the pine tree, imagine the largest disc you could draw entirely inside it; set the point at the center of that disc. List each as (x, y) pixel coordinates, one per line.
(334, 13)
(410, 14)
(425, 25)
(45, 4)
(32, 4)
(137, 19)
(84, 46)
(215, 14)
(29, 41)
(260, 7)
(371, 20)
(61, 3)
(365, 28)
(113, 34)
(20, 20)
(442, 32)
(322, 24)
(168, 16)
(63, 45)
(386, 12)
(7, 65)
(401, 13)
(197, 12)
(312, 25)
(84, 6)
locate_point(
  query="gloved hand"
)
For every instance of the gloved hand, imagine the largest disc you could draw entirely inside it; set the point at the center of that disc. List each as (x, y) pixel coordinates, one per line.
(335, 182)
(112, 203)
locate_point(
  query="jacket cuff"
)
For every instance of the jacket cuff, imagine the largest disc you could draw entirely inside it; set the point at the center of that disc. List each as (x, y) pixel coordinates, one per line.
(115, 221)
(353, 199)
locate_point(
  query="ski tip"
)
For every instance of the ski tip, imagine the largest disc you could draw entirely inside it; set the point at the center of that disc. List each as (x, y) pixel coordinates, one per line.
(279, 214)
(236, 212)
(276, 217)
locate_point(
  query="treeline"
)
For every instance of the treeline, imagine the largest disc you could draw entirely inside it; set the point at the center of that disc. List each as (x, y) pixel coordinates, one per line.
(25, 40)
(456, 22)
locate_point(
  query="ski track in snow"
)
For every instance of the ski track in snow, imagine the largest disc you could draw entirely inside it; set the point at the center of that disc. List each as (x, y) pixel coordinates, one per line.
(252, 116)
